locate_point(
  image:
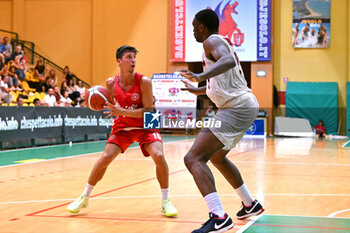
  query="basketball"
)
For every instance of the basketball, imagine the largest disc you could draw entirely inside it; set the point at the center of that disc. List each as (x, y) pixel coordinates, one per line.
(96, 97)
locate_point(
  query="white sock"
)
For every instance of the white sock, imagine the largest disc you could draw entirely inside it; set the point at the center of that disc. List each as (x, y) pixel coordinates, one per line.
(88, 189)
(165, 193)
(244, 194)
(214, 204)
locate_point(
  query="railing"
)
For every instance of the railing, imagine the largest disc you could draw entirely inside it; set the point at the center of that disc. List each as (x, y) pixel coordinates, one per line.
(14, 33)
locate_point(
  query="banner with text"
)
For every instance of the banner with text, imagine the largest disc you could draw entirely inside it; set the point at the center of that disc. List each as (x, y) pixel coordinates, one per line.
(247, 23)
(174, 105)
(44, 122)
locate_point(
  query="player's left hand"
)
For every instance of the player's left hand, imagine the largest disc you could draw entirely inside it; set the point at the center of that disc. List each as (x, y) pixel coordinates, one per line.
(114, 110)
(190, 75)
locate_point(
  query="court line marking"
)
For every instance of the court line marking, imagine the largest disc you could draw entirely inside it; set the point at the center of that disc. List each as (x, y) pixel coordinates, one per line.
(338, 212)
(250, 223)
(242, 161)
(245, 227)
(125, 186)
(278, 215)
(173, 196)
(128, 219)
(307, 227)
(79, 155)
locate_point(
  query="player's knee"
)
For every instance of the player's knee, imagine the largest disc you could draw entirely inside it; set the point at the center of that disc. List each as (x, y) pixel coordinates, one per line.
(158, 157)
(190, 161)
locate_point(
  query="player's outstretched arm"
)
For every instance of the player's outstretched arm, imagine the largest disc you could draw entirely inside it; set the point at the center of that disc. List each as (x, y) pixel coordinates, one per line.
(192, 89)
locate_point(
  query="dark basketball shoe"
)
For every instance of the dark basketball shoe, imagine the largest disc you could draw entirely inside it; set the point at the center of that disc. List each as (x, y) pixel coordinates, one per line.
(247, 211)
(216, 224)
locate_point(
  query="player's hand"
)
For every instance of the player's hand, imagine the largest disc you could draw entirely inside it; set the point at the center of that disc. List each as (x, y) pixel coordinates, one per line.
(114, 110)
(189, 87)
(190, 75)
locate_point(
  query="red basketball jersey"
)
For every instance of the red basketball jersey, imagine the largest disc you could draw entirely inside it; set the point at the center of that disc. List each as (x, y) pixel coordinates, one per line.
(131, 99)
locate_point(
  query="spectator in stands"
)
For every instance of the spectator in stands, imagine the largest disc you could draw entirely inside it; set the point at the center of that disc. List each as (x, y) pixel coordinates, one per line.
(40, 70)
(17, 53)
(37, 102)
(23, 63)
(73, 94)
(57, 93)
(68, 75)
(64, 85)
(50, 98)
(2, 56)
(7, 76)
(52, 77)
(80, 88)
(19, 68)
(210, 111)
(8, 52)
(81, 104)
(65, 100)
(5, 91)
(320, 129)
(50, 81)
(13, 80)
(20, 101)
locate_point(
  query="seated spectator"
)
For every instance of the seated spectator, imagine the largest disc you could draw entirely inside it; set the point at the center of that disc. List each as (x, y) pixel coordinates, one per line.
(80, 88)
(81, 104)
(64, 85)
(37, 102)
(13, 81)
(57, 94)
(50, 98)
(5, 91)
(2, 51)
(17, 53)
(73, 94)
(210, 112)
(8, 51)
(46, 85)
(52, 77)
(20, 101)
(65, 100)
(320, 129)
(40, 70)
(68, 75)
(19, 68)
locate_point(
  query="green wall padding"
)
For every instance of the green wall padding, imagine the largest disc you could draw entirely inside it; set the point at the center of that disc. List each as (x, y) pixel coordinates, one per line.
(348, 109)
(314, 101)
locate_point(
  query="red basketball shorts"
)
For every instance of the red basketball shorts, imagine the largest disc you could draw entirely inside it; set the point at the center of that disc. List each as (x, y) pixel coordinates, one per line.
(143, 136)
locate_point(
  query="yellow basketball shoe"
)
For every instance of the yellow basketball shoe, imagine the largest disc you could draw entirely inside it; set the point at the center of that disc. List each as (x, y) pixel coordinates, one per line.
(168, 209)
(80, 202)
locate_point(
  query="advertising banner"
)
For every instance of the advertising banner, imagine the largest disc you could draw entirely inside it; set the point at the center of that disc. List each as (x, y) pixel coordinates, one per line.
(311, 23)
(247, 23)
(174, 105)
(44, 122)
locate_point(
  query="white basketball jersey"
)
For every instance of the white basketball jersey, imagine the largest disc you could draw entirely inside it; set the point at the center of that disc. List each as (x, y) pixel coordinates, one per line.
(227, 86)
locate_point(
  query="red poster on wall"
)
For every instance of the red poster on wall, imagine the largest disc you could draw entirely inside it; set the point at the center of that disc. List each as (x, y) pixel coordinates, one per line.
(178, 37)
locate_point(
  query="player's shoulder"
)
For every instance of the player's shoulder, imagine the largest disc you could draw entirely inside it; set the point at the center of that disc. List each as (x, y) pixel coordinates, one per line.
(145, 81)
(110, 82)
(213, 42)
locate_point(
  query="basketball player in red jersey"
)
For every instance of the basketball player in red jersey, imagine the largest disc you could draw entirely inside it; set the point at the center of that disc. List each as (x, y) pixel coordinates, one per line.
(133, 94)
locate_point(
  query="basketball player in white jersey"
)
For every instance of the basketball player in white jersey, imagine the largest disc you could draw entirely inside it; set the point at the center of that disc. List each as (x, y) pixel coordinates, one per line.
(238, 108)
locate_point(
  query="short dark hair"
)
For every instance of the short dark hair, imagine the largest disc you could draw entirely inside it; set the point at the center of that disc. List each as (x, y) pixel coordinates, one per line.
(35, 100)
(123, 49)
(209, 19)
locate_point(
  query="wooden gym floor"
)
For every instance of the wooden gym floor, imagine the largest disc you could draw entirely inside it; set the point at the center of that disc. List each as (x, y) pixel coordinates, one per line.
(303, 183)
